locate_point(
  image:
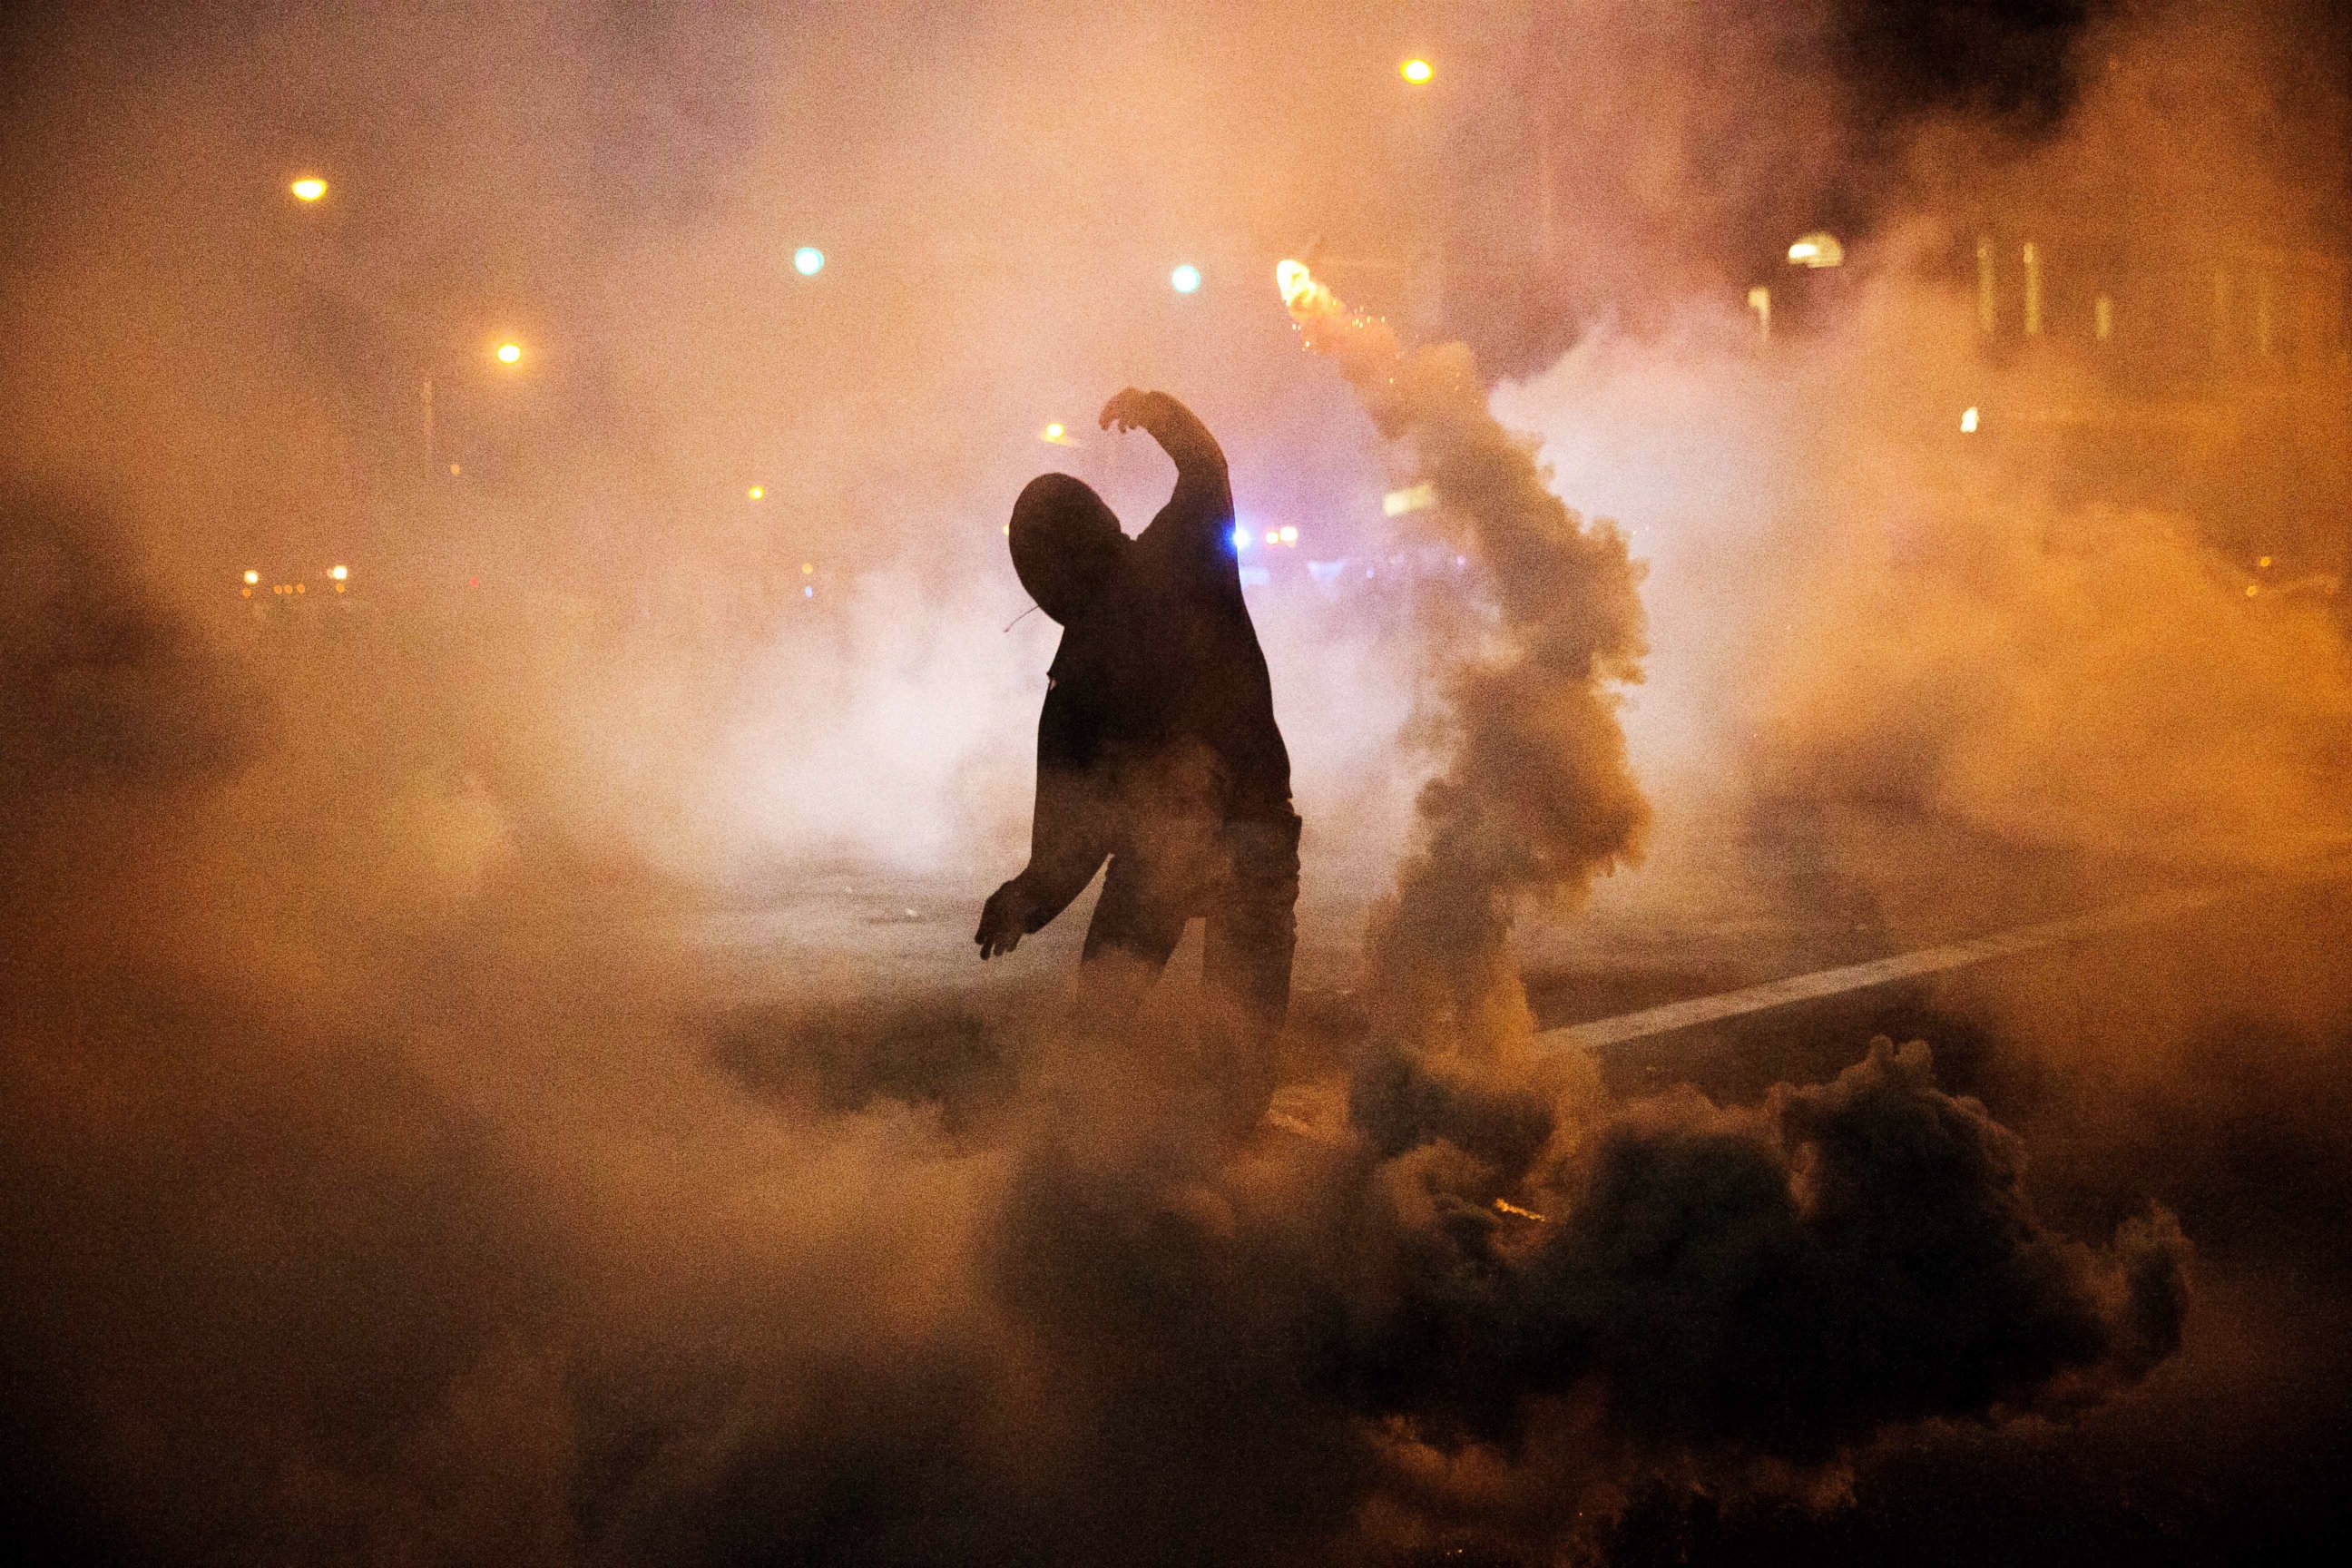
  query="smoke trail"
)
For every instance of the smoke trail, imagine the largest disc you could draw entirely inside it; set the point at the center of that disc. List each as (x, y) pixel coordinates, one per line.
(1536, 797)
(1733, 1288)
(590, 1302)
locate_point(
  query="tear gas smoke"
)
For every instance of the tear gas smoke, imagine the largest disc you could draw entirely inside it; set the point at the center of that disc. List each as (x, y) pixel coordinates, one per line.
(429, 1231)
(379, 1186)
(1536, 797)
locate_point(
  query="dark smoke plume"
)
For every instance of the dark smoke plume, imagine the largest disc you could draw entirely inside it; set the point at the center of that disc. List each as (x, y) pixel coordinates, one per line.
(1536, 797)
(371, 1195)
(1775, 1286)
(422, 1239)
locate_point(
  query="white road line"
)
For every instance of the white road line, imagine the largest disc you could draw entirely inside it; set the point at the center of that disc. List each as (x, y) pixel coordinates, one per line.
(1927, 961)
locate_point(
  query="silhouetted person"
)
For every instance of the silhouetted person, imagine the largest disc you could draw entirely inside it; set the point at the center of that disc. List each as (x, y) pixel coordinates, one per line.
(1157, 749)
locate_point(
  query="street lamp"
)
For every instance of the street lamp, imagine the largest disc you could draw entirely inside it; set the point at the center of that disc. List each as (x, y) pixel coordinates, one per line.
(506, 351)
(1416, 70)
(1185, 278)
(1820, 248)
(808, 261)
(309, 188)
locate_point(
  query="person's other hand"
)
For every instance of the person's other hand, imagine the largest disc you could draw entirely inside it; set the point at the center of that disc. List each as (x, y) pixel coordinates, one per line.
(1125, 409)
(1004, 922)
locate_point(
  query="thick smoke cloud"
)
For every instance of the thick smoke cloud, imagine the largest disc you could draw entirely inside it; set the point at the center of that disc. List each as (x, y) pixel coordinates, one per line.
(1536, 797)
(1678, 1203)
(380, 1189)
(430, 1233)
(2025, 627)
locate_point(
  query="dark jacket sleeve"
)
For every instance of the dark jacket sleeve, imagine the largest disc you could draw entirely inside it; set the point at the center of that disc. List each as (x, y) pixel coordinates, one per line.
(1200, 512)
(1069, 831)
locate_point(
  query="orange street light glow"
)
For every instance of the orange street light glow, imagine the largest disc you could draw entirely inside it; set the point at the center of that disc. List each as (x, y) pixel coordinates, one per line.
(339, 573)
(510, 353)
(251, 578)
(1820, 248)
(1417, 72)
(757, 492)
(309, 188)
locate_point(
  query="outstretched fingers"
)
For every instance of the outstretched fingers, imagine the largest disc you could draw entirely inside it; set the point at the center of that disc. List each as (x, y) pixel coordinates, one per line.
(1124, 409)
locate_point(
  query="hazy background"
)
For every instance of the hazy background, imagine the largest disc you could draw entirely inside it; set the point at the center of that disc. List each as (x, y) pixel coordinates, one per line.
(392, 1181)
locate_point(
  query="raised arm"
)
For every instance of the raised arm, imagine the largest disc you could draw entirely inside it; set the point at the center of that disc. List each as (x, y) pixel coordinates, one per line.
(1176, 428)
(1204, 496)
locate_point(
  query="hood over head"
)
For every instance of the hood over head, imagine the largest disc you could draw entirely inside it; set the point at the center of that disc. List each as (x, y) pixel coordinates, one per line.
(1065, 543)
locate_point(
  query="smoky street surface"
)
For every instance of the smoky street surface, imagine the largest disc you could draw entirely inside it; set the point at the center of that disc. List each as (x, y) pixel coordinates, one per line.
(2229, 1454)
(1801, 550)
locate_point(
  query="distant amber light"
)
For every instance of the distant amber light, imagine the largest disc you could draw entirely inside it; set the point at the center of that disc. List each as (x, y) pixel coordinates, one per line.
(757, 492)
(1417, 72)
(510, 353)
(339, 573)
(1968, 420)
(808, 568)
(1396, 503)
(309, 188)
(1820, 248)
(251, 578)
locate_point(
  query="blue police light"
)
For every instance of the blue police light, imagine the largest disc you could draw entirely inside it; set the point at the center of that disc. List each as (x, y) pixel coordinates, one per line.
(1186, 279)
(808, 261)
(1241, 539)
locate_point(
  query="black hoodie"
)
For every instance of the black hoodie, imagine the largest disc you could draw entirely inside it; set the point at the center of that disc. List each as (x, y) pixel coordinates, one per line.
(1158, 723)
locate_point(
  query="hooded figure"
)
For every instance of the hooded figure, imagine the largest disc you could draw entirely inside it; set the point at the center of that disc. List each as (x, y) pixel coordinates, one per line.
(1157, 749)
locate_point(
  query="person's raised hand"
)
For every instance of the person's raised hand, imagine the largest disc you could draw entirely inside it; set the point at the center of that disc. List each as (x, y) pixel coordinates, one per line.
(1004, 922)
(1125, 409)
